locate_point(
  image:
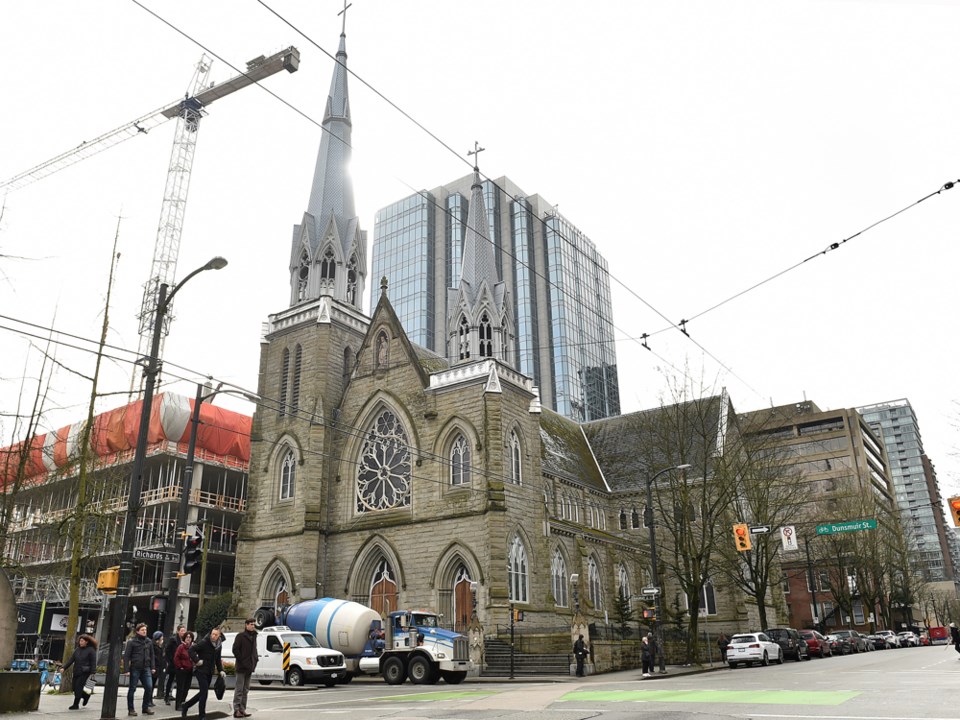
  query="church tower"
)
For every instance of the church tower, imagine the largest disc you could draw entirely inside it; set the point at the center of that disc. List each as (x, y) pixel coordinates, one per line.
(479, 320)
(307, 354)
(328, 253)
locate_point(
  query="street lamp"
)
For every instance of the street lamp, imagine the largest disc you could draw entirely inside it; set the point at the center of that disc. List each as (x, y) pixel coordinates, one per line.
(118, 613)
(655, 575)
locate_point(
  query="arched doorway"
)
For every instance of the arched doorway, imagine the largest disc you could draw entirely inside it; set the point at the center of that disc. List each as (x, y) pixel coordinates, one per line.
(462, 599)
(383, 589)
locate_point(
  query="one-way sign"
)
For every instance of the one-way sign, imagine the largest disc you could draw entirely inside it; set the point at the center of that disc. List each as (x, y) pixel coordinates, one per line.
(155, 555)
(760, 530)
(650, 591)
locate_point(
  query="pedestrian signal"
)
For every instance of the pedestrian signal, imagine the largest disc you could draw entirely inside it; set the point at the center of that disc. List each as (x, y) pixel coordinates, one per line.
(741, 537)
(107, 580)
(954, 504)
(649, 613)
(517, 615)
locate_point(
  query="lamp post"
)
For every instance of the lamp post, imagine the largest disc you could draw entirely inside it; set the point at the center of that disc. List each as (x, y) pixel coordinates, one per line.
(118, 613)
(655, 574)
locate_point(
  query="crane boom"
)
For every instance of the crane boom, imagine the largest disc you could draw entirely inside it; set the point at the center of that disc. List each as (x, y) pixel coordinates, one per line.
(257, 69)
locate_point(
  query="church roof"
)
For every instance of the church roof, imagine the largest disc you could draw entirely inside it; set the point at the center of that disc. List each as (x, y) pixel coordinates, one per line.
(429, 360)
(629, 448)
(565, 452)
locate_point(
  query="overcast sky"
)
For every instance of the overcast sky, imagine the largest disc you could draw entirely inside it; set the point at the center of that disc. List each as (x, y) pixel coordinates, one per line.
(703, 146)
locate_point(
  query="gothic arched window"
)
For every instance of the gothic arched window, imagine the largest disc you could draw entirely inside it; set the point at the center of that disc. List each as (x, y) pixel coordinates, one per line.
(383, 468)
(288, 475)
(328, 265)
(460, 461)
(297, 367)
(517, 571)
(558, 571)
(352, 280)
(594, 591)
(516, 458)
(486, 336)
(284, 381)
(303, 275)
(464, 338)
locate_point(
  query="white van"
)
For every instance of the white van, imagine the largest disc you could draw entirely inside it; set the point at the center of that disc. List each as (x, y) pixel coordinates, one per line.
(309, 661)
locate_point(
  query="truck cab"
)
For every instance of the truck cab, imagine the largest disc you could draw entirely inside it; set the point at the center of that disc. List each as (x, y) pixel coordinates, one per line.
(310, 662)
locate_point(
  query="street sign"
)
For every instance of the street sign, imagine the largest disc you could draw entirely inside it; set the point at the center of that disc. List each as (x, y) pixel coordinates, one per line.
(848, 526)
(650, 591)
(760, 530)
(156, 555)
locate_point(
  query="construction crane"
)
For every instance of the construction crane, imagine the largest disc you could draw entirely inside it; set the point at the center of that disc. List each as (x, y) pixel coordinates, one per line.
(188, 112)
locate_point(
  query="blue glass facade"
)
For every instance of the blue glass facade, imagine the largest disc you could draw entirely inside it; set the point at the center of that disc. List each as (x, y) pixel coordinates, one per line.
(558, 285)
(403, 234)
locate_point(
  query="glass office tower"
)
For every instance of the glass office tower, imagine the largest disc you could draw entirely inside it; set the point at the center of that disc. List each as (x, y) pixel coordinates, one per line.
(916, 487)
(558, 284)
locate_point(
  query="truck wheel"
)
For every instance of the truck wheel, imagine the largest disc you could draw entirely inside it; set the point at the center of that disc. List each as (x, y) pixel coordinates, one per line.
(345, 678)
(453, 677)
(295, 677)
(420, 670)
(264, 682)
(394, 673)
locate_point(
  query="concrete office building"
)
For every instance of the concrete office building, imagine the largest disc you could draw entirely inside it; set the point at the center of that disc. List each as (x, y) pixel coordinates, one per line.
(557, 285)
(915, 483)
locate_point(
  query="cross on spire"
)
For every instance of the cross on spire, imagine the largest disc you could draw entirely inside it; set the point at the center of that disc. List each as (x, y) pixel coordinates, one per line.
(476, 151)
(343, 12)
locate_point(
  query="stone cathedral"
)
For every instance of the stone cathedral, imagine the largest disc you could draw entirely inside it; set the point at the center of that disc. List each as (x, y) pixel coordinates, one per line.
(384, 473)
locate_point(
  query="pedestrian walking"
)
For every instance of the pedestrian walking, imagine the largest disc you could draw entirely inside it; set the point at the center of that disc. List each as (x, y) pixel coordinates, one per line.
(169, 648)
(160, 663)
(206, 661)
(646, 656)
(580, 653)
(84, 660)
(723, 643)
(955, 636)
(138, 660)
(245, 653)
(183, 667)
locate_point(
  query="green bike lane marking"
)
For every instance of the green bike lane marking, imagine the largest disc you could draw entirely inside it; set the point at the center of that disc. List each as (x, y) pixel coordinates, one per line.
(437, 696)
(754, 697)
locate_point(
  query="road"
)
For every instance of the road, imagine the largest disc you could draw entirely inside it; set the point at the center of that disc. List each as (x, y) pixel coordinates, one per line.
(907, 684)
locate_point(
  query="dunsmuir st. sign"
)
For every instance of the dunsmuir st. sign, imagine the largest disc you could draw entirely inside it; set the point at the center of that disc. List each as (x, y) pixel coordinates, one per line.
(848, 526)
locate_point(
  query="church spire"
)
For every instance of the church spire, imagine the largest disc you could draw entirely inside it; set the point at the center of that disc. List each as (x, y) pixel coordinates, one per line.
(328, 255)
(478, 314)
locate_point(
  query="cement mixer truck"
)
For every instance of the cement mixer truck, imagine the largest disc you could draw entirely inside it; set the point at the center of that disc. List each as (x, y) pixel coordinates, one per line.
(410, 644)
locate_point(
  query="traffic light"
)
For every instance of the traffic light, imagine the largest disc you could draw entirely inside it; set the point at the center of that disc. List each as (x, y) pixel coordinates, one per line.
(192, 554)
(741, 537)
(649, 613)
(954, 504)
(107, 580)
(517, 615)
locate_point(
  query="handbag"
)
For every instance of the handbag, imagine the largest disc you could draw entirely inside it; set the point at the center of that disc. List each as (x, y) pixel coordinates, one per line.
(219, 687)
(89, 685)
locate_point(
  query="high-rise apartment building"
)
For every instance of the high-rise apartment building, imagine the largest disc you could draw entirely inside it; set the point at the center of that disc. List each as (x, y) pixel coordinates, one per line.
(556, 282)
(916, 487)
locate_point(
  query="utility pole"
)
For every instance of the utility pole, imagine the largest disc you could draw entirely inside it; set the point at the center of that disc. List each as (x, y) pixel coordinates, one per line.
(813, 586)
(203, 563)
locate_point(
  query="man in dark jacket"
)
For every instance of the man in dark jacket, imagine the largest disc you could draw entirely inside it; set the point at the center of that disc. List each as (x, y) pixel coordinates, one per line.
(169, 648)
(245, 652)
(138, 662)
(580, 653)
(206, 661)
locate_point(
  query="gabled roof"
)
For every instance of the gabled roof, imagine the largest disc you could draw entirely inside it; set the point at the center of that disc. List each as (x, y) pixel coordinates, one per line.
(630, 448)
(565, 452)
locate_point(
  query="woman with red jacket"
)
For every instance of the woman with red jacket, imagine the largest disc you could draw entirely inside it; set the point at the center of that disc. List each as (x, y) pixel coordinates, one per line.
(183, 666)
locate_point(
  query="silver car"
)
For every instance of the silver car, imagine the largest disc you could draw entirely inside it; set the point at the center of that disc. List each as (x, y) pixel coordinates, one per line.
(748, 648)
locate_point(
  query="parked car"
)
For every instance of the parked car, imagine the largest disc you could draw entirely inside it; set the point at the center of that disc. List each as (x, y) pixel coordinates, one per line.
(817, 644)
(878, 642)
(858, 643)
(840, 646)
(908, 638)
(891, 638)
(790, 641)
(748, 648)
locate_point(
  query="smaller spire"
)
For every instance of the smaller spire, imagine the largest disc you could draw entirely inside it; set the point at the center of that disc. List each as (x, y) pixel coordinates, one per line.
(383, 285)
